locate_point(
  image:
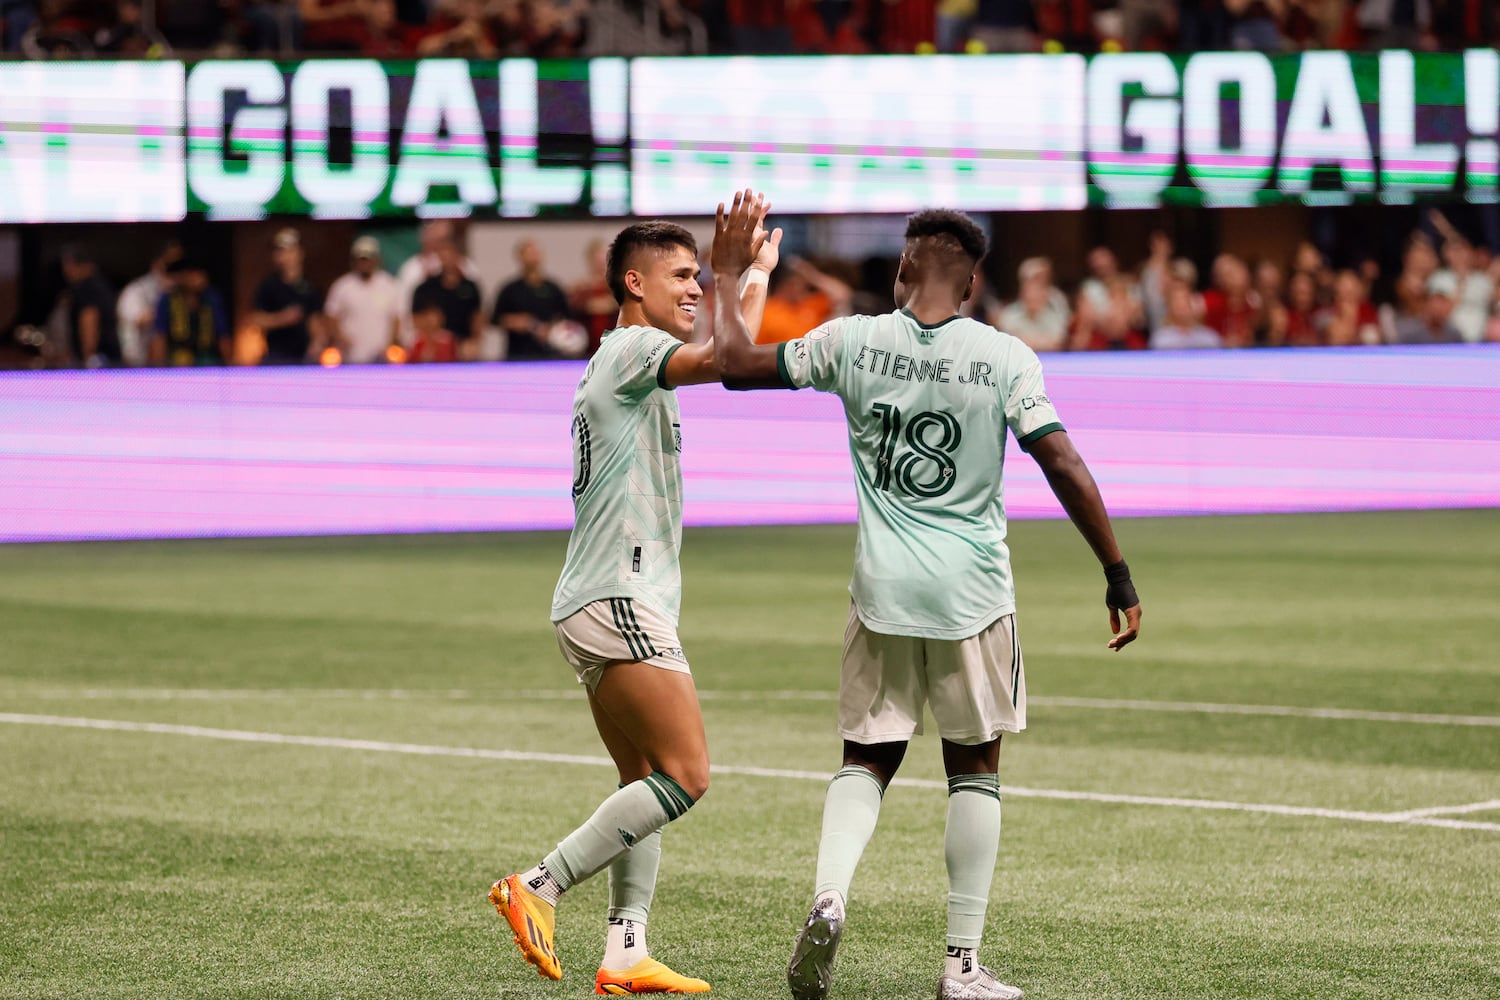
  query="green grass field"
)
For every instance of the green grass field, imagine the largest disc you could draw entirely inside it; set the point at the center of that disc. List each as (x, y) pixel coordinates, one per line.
(180, 863)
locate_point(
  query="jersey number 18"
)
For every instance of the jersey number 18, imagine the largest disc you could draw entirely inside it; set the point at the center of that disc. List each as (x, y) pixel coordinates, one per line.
(902, 468)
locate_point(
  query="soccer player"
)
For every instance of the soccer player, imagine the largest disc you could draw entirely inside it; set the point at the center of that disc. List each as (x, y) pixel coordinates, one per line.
(616, 605)
(928, 396)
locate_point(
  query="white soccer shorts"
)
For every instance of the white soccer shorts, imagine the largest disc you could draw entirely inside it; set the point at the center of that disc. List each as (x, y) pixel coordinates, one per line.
(976, 686)
(614, 631)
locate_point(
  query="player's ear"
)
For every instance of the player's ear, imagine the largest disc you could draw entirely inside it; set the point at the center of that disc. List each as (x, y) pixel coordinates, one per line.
(969, 288)
(634, 284)
(901, 268)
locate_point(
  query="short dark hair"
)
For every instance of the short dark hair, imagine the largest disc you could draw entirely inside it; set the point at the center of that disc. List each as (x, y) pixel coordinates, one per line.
(656, 236)
(955, 226)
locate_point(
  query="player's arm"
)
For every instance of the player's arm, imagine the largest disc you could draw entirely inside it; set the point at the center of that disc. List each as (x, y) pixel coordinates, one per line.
(739, 239)
(1076, 490)
(690, 364)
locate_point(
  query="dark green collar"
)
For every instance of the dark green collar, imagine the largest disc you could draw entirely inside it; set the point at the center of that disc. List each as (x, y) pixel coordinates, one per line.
(928, 326)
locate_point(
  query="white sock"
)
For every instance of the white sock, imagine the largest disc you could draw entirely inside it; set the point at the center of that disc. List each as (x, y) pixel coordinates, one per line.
(540, 881)
(625, 944)
(961, 964)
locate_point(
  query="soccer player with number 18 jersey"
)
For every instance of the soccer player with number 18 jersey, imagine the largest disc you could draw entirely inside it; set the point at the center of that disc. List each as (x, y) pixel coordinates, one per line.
(929, 397)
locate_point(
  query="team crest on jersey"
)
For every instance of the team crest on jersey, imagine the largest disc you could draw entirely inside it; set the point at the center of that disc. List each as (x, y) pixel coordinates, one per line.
(677, 437)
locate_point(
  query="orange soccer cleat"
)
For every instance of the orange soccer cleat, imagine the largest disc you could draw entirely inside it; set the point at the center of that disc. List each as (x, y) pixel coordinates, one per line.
(531, 919)
(646, 976)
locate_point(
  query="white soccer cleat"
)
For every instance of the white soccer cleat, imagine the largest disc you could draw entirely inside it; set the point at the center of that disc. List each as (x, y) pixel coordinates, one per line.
(810, 972)
(985, 986)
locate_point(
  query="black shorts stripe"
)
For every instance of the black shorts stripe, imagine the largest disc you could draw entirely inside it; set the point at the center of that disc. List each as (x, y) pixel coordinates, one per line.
(640, 632)
(630, 641)
(1015, 663)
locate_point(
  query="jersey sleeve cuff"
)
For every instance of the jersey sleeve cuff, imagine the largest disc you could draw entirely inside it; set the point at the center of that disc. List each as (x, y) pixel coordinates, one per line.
(781, 368)
(1034, 436)
(661, 368)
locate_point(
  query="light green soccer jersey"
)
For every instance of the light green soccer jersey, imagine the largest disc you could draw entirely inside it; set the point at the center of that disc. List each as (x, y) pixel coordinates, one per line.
(627, 478)
(928, 409)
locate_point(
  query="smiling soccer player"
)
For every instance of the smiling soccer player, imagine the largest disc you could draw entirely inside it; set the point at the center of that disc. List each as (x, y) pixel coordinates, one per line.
(616, 605)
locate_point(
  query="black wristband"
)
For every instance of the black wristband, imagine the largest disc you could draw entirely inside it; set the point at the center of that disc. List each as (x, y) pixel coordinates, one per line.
(1121, 592)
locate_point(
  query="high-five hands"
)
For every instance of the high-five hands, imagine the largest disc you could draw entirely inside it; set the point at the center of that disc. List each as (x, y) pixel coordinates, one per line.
(739, 234)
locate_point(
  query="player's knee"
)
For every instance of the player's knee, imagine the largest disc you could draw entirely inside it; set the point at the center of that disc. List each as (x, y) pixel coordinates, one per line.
(692, 777)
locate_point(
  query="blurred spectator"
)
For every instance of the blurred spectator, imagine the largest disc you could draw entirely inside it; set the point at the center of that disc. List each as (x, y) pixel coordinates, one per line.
(554, 28)
(1302, 312)
(136, 308)
(1434, 324)
(425, 263)
(1040, 314)
(1473, 289)
(1004, 26)
(286, 306)
(1253, 24)
(529, 306)
(1308, 259)
(433, 341)
(760, 27)
(1103, 267)
(58, 31)
(460, 30)
(191, 325)
(92, 337)
(1271, 320)
(16, 19)
(364, 308)
(1397, 24)
(331, 25)
(591, 300)
(1156, 276)
(802, 296)
(1351, 319)
(1117, 326)
(1230, 307)
(1182, 330)
(903, 25)
(382, 35)
(456, 297)
(126, 34)
(1146, 24)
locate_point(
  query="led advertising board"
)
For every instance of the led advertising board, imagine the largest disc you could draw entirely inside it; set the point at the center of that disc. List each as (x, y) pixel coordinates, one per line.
(519, 138)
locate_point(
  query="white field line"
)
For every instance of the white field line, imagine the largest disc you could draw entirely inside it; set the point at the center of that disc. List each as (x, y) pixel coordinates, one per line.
(427, 750)
(1493, 805)
(573, 694)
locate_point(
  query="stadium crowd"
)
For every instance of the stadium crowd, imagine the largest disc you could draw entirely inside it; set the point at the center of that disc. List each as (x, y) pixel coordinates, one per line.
(560, 28)
(431, 308)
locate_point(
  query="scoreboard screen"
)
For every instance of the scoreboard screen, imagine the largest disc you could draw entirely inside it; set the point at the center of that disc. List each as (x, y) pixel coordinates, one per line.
(521, 138)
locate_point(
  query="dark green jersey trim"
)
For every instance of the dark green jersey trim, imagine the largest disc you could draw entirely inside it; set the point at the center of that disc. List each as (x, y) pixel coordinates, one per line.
(781, 368)
(1040, 433)
(928, 326)
(661, 369)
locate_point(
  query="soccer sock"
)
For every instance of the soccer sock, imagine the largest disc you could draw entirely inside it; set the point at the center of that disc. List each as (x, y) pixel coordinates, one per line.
(624, 945)
(849, 814)
(970, 844)
(540, 881)
(621, 821)
(961, 964)
(632, 883)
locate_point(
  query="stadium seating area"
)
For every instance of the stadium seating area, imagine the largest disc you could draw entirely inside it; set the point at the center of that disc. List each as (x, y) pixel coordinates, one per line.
(556, 28)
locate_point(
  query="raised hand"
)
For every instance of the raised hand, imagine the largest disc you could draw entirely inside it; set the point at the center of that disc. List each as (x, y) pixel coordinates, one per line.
(739, 235)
